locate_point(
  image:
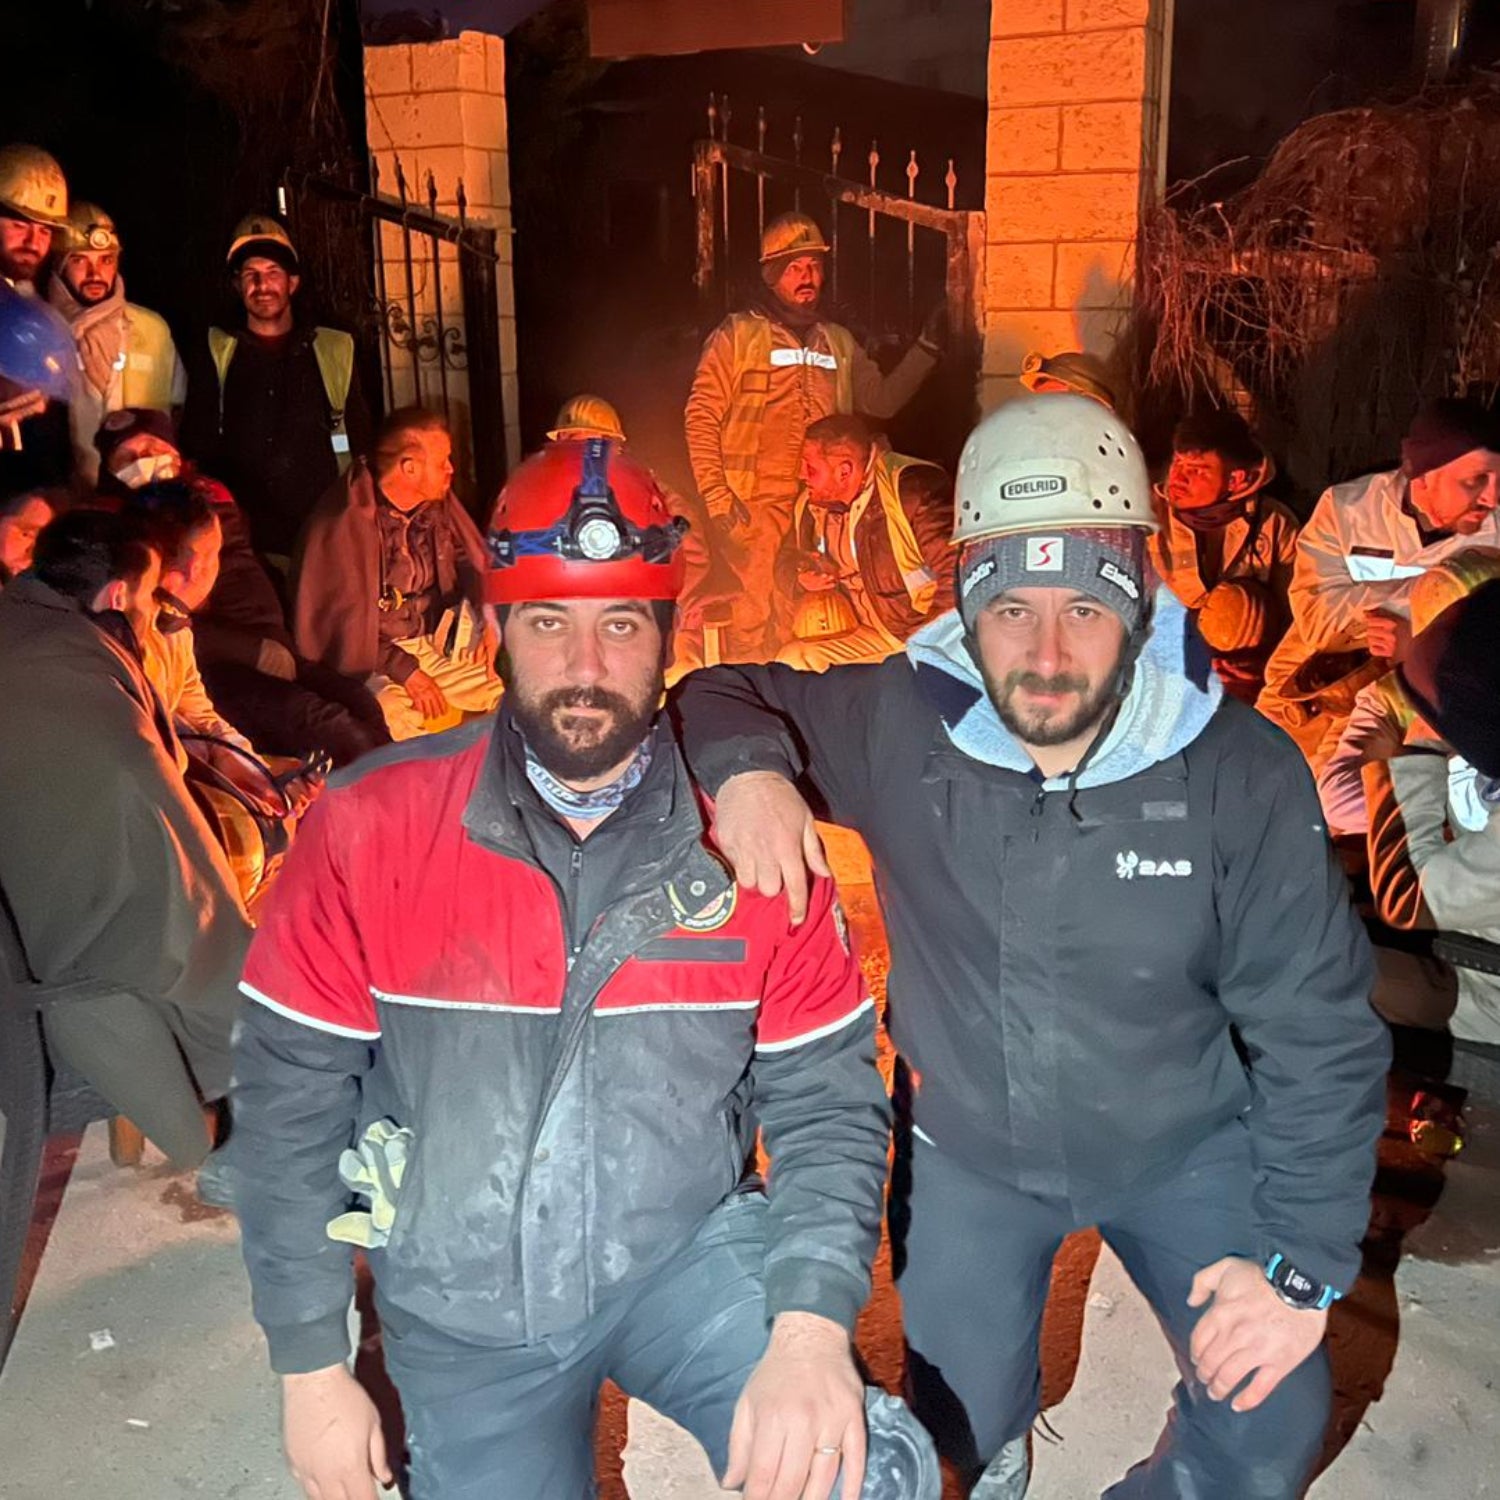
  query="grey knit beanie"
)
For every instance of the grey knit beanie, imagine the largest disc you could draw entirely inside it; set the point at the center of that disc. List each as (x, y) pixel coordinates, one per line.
(1107, 563)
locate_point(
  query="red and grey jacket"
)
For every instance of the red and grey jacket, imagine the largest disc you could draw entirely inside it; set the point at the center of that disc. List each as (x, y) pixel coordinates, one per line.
(581, 1037)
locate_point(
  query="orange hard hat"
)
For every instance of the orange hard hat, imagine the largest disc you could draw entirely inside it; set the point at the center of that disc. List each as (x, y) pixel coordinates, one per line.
(579, 520)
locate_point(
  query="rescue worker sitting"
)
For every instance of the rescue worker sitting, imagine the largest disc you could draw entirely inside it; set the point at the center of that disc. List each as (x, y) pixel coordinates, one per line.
(286, 704)
(386, 586)
(1385, 719)
(126, 351)
(275, 409)
(1428, 869)
(1226, 548)
(126, 908)
(506, 965)
(1071, 372)
(867, 559)
(764, 376)
(1357, 557)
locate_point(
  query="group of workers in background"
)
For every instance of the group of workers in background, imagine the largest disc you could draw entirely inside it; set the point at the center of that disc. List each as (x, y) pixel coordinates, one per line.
(505, 1007)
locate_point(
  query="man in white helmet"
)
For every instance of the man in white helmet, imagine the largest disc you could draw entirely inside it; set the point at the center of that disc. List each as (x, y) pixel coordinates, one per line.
(125, 351)
(1126, 984)
(765, 375)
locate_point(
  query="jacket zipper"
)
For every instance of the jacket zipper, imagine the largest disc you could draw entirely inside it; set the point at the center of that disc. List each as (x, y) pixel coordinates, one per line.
(575, 880)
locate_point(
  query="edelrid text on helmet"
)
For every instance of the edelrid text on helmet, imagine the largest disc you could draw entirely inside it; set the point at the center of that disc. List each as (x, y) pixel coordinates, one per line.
(32, 186)
(1050, 461)
(581, 521)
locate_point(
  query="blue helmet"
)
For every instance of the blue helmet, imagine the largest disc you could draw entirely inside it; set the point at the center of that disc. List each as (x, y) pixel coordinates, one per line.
(37, 351)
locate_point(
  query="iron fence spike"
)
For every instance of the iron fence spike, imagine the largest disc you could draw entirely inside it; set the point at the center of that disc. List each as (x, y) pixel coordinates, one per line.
(913, 171)
(952, 182)
(760, 130)
(838, 148)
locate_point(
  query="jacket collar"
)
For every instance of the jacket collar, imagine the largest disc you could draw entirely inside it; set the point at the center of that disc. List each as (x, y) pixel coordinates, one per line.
(663, 816)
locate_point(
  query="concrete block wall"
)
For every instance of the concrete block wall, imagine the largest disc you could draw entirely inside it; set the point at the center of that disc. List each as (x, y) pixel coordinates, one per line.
(439, 108)
(1077, 94)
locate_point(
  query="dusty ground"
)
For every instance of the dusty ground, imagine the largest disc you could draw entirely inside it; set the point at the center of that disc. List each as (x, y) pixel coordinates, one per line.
(138, 1375)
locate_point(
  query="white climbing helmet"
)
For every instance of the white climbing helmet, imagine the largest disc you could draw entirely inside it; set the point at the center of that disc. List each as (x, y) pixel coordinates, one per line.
(1050, 460)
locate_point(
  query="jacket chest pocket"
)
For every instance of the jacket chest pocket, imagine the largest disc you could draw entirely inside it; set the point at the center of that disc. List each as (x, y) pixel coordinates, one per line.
(755, 382)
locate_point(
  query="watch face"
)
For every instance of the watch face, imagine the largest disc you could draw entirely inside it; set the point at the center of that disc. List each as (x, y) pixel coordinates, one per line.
(1296, 1287)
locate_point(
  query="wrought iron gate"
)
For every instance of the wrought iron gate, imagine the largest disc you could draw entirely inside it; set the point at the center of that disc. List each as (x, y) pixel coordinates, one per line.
(378, 263)
(893, 258)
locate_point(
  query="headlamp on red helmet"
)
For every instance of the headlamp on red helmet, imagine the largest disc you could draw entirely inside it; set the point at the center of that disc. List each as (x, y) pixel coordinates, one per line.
(613, 537)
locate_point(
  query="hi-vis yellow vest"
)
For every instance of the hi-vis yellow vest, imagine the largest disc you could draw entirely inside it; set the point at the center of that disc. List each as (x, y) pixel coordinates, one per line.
(742, 422)
(334, 352)
(921, 586)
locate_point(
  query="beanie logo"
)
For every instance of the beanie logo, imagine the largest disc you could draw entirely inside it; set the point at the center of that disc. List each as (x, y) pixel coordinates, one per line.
(1044, 554)
(977, 577)
(1120, 578)
(1033, 487)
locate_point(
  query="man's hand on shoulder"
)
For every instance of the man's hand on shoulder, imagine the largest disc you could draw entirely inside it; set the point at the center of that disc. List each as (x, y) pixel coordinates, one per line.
(331, 1431)
(800, 1416)
(767, 833)
(1248, 1328)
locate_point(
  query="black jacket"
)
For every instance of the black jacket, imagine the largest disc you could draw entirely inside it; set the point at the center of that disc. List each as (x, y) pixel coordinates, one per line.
(1068, 1005)
(269, 436)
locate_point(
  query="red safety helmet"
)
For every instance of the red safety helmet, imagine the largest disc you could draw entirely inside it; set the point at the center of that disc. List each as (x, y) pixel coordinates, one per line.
(579, 520)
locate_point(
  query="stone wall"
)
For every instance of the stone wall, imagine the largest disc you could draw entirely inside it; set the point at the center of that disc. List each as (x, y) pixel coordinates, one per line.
(439, 107)
(1076, 151)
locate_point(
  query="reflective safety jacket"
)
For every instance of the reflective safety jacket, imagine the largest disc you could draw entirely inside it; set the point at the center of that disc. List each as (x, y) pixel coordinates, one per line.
(1361, 549)
(580, 1036)
(760, 385)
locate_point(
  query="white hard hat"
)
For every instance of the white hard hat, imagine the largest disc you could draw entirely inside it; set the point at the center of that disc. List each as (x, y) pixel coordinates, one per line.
(1050, 461)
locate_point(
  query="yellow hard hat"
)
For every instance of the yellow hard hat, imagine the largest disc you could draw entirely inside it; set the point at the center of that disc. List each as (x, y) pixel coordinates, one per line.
(823, 615)
(32, 186)
(1447, 582)
(789, 236)
(1073, 370)
(1234, 616)
(586, 416)
(89, 228)
(263, 235)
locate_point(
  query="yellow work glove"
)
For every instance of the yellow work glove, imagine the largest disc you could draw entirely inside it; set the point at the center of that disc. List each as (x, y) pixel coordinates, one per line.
(374, 1170)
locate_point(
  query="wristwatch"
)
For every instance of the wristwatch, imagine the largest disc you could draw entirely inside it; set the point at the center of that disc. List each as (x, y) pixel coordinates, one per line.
(1296, 1288)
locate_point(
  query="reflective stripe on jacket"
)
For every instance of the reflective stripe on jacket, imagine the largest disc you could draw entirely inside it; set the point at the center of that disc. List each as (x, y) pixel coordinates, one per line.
(581, 1037)
(1360, 550)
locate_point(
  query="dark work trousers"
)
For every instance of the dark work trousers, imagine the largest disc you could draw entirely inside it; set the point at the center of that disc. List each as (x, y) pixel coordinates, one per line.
(977, 1271)
(518, 1424)
(150, 1058)
(321, 710)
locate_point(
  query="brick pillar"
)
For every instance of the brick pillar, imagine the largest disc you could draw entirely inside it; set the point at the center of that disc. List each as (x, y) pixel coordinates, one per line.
(1076, 153)
(440, 108)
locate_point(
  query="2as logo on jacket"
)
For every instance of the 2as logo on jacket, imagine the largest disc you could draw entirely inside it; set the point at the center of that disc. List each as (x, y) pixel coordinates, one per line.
(1130, 866)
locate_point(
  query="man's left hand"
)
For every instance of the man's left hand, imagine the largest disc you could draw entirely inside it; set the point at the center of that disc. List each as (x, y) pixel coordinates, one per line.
(801, 1415)
(1248, 1328)
(1388, 636)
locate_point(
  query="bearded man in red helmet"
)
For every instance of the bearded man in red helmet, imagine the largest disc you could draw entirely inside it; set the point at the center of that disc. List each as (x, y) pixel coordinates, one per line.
(512, 1030)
